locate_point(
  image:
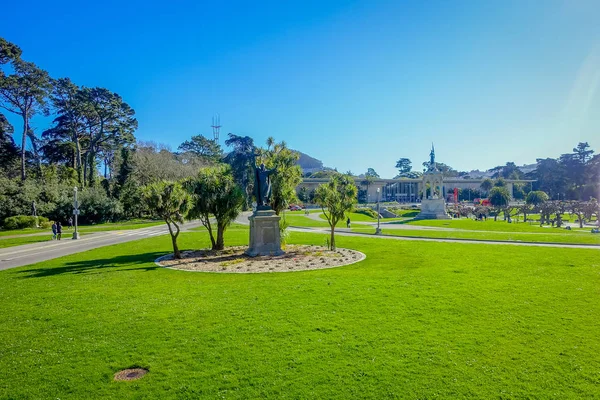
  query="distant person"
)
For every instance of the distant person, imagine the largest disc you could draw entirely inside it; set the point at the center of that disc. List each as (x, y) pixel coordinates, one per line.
(53, 230)
(58, 230)
(348, 223)
(70, 222)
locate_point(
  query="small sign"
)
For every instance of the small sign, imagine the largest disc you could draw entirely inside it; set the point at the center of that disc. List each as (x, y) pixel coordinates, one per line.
(75, 212)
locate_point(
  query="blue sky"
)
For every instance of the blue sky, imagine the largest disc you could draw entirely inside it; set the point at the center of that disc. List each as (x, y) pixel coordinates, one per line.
(356, 84)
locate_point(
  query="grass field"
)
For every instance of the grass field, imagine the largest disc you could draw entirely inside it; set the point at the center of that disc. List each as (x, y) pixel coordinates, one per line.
(568, 237)
(414, 320)
(489, 225)
(109, 226)
(10, 242)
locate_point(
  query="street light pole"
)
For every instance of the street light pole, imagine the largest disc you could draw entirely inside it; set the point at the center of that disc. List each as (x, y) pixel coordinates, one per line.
(378, 230)
(75, 213)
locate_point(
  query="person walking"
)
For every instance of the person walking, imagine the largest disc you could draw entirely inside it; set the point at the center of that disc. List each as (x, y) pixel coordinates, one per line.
(70, 222)
(348, 223)
(58, 230)
(53, 230)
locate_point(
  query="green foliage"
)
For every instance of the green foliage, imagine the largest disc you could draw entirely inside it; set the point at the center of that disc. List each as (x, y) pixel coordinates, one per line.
(486, 185)
(287, 176)
(336, 198)
(242, 162)
(24, 221)
(206, 149)
(536, 198)
(366, 211)
(284, 232)
(499, 196)
(24, 93)
(215, 194)
(168, 201)
(404, 166)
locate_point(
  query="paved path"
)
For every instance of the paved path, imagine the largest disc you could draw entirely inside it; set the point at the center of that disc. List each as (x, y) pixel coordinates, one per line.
(243, 219)
(17, 256)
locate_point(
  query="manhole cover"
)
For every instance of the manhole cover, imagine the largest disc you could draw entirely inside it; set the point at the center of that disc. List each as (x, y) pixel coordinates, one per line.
(130, 374)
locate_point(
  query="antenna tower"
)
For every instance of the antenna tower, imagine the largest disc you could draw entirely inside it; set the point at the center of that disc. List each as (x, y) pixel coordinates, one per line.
(216, 127)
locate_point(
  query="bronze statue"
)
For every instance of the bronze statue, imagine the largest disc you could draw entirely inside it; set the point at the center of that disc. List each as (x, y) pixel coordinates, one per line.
(262, 186)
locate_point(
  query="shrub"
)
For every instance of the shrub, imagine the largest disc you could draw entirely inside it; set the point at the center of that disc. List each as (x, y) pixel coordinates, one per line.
(367, 211)
(25, 221)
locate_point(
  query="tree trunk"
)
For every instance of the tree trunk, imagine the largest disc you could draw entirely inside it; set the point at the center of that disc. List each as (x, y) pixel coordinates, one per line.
(208, 227)
(23, 144)
(176, 252)
(220, 241)
(332, 238)
(78, 160)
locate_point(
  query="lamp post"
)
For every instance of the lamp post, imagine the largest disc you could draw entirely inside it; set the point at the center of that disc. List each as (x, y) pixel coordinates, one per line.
(378, 230)
(75, 213)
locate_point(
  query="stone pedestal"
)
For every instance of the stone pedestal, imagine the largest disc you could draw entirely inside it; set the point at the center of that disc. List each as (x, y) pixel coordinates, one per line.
(265, 239)
(433, 209)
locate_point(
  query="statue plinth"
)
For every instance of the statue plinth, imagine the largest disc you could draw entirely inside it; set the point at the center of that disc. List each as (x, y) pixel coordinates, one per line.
(265, 239)
(433, 209)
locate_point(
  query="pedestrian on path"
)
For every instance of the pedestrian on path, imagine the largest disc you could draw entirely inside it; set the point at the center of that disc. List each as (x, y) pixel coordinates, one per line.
(53, 230)
(70, 222)
(348, 223)
(58, 230)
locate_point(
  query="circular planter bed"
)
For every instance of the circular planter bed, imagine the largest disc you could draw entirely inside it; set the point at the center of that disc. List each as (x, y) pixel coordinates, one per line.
(233, 260)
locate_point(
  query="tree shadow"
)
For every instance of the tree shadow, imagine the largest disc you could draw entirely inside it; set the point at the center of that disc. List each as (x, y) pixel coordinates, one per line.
(114, 264)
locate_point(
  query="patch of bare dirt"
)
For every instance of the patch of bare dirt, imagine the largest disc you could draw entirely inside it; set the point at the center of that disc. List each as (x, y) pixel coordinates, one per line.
(233, 260)
(130, 374)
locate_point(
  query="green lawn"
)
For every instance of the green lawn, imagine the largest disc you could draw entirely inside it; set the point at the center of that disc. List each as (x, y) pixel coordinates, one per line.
(580, 238)
(413, 320)
(25, 240)
(109, 226)
(489, 225)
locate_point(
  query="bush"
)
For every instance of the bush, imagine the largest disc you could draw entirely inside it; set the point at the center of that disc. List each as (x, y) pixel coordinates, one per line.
(25, 221)
(368, 212)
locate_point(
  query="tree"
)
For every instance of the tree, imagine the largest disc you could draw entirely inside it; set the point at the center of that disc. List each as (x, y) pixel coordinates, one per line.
(242, 161)
(169, 202)
(536, 198)
(288, 173)
(371, 172)
(206, 149)
(499, 198)
(500, 182)
(215, 193)
(486, 185)
(583, 152)
(9, 52)
(8, 150)
(367, 181)
(336, 198)
(578, 208)
(550, 176)
(110, 123)
(24, 93)
(524, 209)
(70, 128)
(404, 166)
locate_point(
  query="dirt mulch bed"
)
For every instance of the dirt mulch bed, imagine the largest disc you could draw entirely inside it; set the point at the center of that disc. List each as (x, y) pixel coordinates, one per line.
(130, 374)
(233, 259)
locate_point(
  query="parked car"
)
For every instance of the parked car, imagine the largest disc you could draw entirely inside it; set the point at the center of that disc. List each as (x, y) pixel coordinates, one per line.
(295, 207)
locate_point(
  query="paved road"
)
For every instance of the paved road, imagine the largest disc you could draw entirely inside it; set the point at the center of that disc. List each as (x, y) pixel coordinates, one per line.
(18, 256)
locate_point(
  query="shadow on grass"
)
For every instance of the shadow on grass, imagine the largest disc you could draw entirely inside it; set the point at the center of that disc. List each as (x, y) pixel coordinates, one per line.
(117, 263)
(406, 221)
